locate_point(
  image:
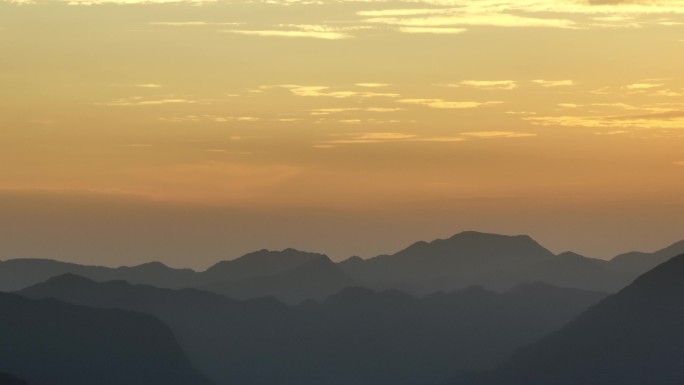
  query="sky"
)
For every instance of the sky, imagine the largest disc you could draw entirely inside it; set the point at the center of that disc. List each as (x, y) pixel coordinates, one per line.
(195, 131)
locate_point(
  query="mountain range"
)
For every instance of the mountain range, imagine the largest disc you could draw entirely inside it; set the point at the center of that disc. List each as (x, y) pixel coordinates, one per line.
(496, 262)
(356, 336)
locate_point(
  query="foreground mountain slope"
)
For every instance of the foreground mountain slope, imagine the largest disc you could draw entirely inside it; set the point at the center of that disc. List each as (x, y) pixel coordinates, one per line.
(8, 379)
(357, 336)
(635, 337)
(48, 342)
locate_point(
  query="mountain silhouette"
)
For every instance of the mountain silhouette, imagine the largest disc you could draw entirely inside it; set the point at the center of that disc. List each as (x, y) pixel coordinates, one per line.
(639, 263)
(634, 337)
(262, 263)
(314, 279)
(289, 275)
(48, 342)
(357, 336)
(15, 274)
(497, 262)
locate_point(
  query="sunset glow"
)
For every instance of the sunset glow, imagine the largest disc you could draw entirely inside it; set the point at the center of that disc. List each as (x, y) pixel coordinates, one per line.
(345, 127)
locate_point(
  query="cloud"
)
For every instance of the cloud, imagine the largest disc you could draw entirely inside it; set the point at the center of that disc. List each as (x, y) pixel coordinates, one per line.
(140, 101)
(324, 91)
(385, 137)
(440, 103)
(643, 86)
(371, 85)
(148, 85)
(371, 137)
(498, 134)
(490, 84)
(180, 23)
(314, 31)
(554, 83)
(663, 120)
(403, 12)
(445, 139)
(432, 30)
(349, 121)
(122, 2)
(459, 19)
(326, 35)
(328, 111)
(383, 109)
(679, 163)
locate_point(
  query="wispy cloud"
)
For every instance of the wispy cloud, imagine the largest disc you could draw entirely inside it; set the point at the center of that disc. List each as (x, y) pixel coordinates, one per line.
(148, 85)
(140, 101)
(459, 18)
(664, 120)
(394, 137)
(180, 23)
(372, 85)
(313, 31)
(433, 30)
(554, 83)
(643, 86)
(498, 134)
(325, 91)
(489, 84)
(371, 137)
(440, 103)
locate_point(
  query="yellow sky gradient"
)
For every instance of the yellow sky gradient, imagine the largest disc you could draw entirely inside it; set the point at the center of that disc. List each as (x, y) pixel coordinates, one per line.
(346, 127)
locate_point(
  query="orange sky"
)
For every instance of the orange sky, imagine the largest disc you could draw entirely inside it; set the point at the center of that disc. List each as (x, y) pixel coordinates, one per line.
(345, 127)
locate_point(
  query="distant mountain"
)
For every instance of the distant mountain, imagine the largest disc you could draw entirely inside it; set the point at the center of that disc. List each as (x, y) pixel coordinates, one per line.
(638, 263)
(262, 263)
(48, 342)
(494, 261)
(7, 379)
(289, 275)
(634, 337)
(445, 264)
(354, 337)
(16, 274)
(310, 278)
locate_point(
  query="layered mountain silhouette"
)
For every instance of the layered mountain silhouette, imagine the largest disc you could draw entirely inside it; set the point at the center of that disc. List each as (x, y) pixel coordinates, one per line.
(49, 342)
(638, 263)
(634, 337)
(16, 274)
(496, 262)
(357, 336)
(289, 275)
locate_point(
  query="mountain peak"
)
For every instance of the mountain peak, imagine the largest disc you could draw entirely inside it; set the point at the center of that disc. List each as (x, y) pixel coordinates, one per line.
(68, 279)
(479, 244)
